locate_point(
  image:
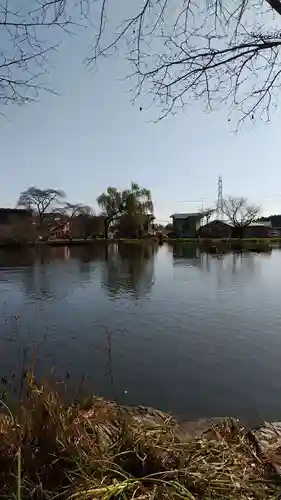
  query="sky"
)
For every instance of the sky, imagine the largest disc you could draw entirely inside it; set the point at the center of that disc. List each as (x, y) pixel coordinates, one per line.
(91, 136)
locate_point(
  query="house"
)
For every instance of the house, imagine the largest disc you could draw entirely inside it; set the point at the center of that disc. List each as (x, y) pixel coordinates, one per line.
(59, 228)
(80, 226)
(215, 229)
(275, 224)
(15, 225)
(258, 229)
(50, 225)
(186, 225)
(84, 226)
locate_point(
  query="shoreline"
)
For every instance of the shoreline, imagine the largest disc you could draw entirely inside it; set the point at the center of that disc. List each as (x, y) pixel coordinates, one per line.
(199, 242)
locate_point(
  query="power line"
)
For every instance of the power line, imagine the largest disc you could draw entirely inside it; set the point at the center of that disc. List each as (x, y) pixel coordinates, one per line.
(271, 197)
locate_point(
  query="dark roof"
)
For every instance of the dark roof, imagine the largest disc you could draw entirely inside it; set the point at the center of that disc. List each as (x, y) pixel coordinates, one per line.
(15, 211)
(6, 212)
(216, 223)
(186, 215)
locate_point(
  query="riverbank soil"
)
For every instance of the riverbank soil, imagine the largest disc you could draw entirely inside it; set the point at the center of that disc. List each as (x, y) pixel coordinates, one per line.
(103, 451)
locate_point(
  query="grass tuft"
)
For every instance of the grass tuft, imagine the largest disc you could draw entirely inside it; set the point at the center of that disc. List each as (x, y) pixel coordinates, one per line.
(107, 452)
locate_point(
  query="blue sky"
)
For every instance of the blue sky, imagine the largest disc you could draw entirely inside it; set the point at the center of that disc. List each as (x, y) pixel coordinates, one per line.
(92, 136)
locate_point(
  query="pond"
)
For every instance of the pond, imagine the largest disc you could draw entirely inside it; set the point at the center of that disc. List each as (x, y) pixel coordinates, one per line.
(194, 334)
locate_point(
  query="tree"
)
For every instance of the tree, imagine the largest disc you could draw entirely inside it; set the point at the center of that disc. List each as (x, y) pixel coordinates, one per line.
(169, 227)
(138, 211)
(40, 201)
(135, 202)
(112, 206)
(215, 51)
(93, 226)
(70, 210)
(207, 214)
(240, 213)
(44, 203)
(64, 216)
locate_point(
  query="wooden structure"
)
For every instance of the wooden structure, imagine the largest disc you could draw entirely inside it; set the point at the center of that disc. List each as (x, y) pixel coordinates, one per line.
(186, 225)
(215, 229)
(258, 230)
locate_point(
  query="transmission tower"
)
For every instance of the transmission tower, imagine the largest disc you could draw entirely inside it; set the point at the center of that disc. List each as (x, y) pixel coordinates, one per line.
(219, 200)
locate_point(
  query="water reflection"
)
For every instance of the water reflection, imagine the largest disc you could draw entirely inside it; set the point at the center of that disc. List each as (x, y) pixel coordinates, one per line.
(149, 325)
(125, 269)
(129, 269)
(15, 258)
(189, 255)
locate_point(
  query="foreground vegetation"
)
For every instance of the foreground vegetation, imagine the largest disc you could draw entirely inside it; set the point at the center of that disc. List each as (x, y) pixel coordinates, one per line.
(100, 450)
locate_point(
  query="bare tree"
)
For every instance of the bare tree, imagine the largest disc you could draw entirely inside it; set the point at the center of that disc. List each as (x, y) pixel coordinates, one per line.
(40, 200)
(65, 215)
(207, 213)
(72, 209)
(27, 31)
(239, 212)
(44, 203)
(216, 51)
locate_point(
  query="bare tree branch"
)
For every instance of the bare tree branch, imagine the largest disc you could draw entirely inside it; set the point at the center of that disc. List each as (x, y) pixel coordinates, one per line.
(275, 5)
(218, 51)
(239, 212)
(215, 50)
(27, 31)
(44, 203)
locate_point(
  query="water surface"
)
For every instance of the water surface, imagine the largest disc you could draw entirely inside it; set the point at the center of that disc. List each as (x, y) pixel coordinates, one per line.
(194, 334)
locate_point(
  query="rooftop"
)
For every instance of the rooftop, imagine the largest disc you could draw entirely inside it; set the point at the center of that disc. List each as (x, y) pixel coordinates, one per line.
(186, 215)
(218, 221)
(14, 210)
(261, 223)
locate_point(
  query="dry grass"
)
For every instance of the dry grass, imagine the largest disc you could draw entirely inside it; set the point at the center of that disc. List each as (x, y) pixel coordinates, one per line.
(105, 452)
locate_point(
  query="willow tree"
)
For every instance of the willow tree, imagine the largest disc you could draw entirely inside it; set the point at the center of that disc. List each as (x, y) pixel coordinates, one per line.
(138, 211)
(137, 200)
(134, 203)
(111, 205)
